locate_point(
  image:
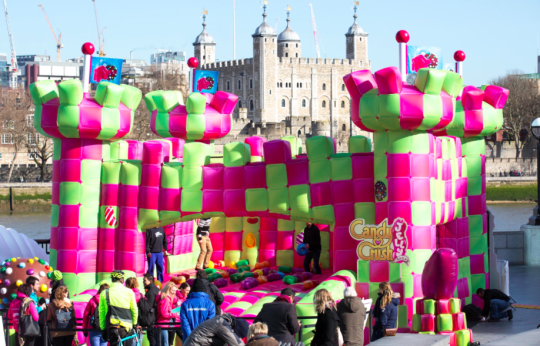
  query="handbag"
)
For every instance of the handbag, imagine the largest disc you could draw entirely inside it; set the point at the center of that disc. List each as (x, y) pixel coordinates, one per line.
(390, 331)
(28, 327)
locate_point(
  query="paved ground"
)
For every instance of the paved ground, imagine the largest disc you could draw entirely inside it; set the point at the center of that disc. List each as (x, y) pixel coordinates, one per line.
(525, 289)
(413, 339)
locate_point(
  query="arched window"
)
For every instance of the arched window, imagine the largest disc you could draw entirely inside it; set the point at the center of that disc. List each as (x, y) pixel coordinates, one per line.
(304, 104)
(239, 84)
(251, 83)
(281, 85)
(297, 55)
(239, 103)
(297, 45)
(343, 127)
(342, 87)
(286, 55)
(278, 84)
(250, 105)
(324, 86)
(299, 133)
(343, 105)
(282, 102)
(286, 45)
(228, 85)
(324, 104)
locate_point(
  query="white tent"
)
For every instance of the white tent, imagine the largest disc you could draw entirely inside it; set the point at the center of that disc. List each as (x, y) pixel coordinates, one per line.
(15, 244)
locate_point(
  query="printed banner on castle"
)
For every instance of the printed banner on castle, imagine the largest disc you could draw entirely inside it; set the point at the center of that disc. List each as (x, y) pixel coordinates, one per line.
(105, 70)
(383, 242)
(423, 56)
(206, 81)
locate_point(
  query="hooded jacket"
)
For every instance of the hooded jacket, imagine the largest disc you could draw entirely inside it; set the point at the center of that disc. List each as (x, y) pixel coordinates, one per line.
(15, 308)
(387, 316)
(89, 311)
(164, 310)
(217, 331)
(214, 294)
(352, 313)
(195, 310)
(281, 318)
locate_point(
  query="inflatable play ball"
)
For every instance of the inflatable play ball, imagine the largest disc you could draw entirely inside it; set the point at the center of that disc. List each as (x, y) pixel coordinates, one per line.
(236, 278)
(282, 274)
(285, 269)
(289, 280)
(220, 283)
(310, 284)
(307, 275)
(211, 265)
(158, 284)
(224, 274)
(178, 280)
(215, 276)
(273, 277)
(242, 263)
(15, 271)
(262, 279)
(259, 265)
(249, 283)
(259, 272)
(299, 277)
(301, 249)
(244, 269)
(190, 282)
(266, 271)
(233, 265)
(221, 263)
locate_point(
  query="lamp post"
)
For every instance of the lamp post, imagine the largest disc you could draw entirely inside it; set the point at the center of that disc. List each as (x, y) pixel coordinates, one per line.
(535, 129)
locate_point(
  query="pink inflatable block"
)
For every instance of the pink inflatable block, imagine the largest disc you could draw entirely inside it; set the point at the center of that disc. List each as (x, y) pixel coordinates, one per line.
(399, 287)
(169, 199)
(427, 323)
(128, 196)
(458, 321)
(277, 151)
(70, 170)
(149, 197)
(87, 262)
(359, 82)
(362, 165)
(448, 191)
(398, 165)
(128, 218)
(268, 240)
(126, 260)
(419, 165)
(235, 311)
(153, 152)
(342, 191)
(472, 98)
(49, 118)
(125, 239)
(448, 230)
(446, 170)
(417, 288)
(379, 271)
(268, 255)
(234, 202)
(54, 237)
(399, 189)
(71, 149)
(476, 300)
(447, 111)
(105, 261)
(440, 275)
(412, 109)
(285, 240)
(233, 241)
(344, 214)
(463, 247)
(135, 149)
(321, 194)
(400, 209)
(255, 144)
(419, 62)
(298, 172)
(477, 264)
(495, 96)
(442, 306)
(212, 201)
(420, 188)
(341, 233)
(55, 192)
(223, 102)
(151, 175)
(68, 216)
(345, 260)
(381, 212)
(424, 237)
(213, 176)
(419, 307)
(67, 261)
(389, 81)
(362, 289)
(255, 175)
(463, 288)
(474, 122)
(67, 238)
(217, 241)
(109, 194)
(364, 190)
(475, 207)
(87, 239)
(233, 178)
(268, 224)
(217, 256)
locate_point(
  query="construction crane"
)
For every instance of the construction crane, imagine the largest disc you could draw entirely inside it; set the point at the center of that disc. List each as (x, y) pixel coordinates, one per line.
(14, 66)
(100, 34)
(315, 31)
(275, 28)
(58, 40)
(100, 42)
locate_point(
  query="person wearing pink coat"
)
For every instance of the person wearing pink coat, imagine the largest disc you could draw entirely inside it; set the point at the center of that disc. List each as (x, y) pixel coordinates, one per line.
(88, 319)
(134, 285)
(23, 300)
(165, 305)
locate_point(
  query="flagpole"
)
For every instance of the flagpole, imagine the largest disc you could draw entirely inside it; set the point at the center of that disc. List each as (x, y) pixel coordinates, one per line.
(234, 29)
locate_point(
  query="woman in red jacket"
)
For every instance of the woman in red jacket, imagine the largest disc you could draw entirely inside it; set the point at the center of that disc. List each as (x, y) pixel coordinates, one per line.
(134, 285)
(165, 305)
(23, 302)
(90, 323)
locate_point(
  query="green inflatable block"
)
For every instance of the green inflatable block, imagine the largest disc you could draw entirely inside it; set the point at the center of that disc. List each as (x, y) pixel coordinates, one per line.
(165, 101)
(474, 166)
(427, 333)
(417, 323)
(403, 316)
(319, 171)
(399, 142)
(131, 96)
(131, 173)
(359, 144)
(195, 126)
(247, 275)
(477, 281)
(464, 267)
(89, 216)
(366, 211)
(192, 178)
(429, 306)
(476, 225)
(256, 199)
(68, 121)
(171, 175)
(169, 217)
(318, 148)
(323, 214)
(147, 218)
(419, 142)
(236, 277)
(236, 154)
(232, 256)
(179, 262)
(341, 167)
(210, 270)
(278, 200)
(162, 124)
(149, 100)
(70, 193)
(43, 91)
(420, 259)
(380, 142)
(374, 290)
(289, 280)
(191, 200)
(110, 171)
(285, 225)
(108, 94)
(110, 123)
(70, 92)
(243, 268)
(196, 154)
(444, 323)
(474, 186)
(296, 145)
(433, 109)
(234, 224)
(395, 272)
(408, 282)
(285, 269)
(363, 271)
(242, 263)
(218, 225)
(452, 84)
(390, 110)
(473, 146)
(369, 110)
(299, 196)
(421, 213)
(463, 337)
(276, 175)
(55, 210)
(196, 103)
(90, 194)
(477, 244)
(454, 305)
(430, 81)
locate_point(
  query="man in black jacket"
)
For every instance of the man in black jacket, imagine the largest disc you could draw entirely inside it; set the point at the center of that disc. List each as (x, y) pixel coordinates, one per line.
(156, 242)
(280, 316)
(201, 284)
(312, 239)
(152, 291)
(498, 302)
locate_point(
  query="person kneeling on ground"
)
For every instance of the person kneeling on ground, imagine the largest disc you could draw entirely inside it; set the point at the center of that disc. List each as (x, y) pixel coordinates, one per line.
(280, 317)
(219, 331)
(497, 302)
(258, 336)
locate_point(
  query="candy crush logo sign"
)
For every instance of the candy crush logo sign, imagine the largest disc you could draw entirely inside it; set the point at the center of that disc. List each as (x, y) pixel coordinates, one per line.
(383, 242)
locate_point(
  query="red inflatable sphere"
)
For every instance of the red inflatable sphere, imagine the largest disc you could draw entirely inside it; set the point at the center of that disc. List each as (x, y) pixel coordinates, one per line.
(402, 36)
(459, 55)
(88, 48)
(193, 62)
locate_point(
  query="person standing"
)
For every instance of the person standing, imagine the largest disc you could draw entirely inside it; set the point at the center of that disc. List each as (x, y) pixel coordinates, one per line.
(352, 313)
(203, 236)
(312, 239)
(201, 284)
(280, 317)
(23, 305)
(91, 322)
(327, 319)
(62, 316)
(34, 284)
(156, 242)
(384, 311)
(194, 311)
(218, 331)
(123, 314)
(164, 311)
(133, 284)
(496, 304)
(56, 281)
(152, 292)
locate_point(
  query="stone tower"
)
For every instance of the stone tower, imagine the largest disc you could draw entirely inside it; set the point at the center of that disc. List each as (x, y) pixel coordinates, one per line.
(289, 45)
(357, 44)
(205, 47)
(265, 68)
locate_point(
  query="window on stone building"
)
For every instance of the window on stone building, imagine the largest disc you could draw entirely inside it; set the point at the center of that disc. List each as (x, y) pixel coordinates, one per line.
(282, 102)
(239, 84)
(228, 85)
(272, 40)
(239, 103)
(30, 120)
(7, 138)
(286, 45)
(265, 40)
(278, 84)
(324, 104)
(204, 57)
(301, 85)
(270, 91)
(360, 39)
(361, 63)
(343, 105)
(349, 39)
(32, 156)
(286, 55)
(31, 139)
(251, 83)
(273, 51)
(342, 87)
(343, 127)
(324, 86)
(297, 85)
(299, 133)
(250, 105)
(297, 45)
(304, 103)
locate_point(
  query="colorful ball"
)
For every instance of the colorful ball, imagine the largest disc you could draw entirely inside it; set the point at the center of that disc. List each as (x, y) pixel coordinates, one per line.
(42, 273)
(7, 264)
(49, 275)
(9, 271)
(7, 282)
(3, 269)
(13, 259)
(18, 283)
(3, 290)
(41, 261)
(193, 62)
(13, 296)
(21, 265)
(30, 261)
(402, 36)
(459, 55)
(43, 288)
(211, 265)
(88, 48)
(30, 272)
(6, 301)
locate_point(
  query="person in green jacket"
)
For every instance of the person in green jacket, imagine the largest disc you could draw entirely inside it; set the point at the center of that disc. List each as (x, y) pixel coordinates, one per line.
(117, 323)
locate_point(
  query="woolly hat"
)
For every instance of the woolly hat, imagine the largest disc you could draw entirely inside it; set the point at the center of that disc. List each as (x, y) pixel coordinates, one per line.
(56, 275)
(198, 286)
(241, 328)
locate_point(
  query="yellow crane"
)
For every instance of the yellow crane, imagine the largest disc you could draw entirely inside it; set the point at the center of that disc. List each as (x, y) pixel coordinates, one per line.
(59, 44)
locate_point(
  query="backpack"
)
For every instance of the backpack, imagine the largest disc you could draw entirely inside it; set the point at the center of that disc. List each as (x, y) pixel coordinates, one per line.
(147, 313)
(472, 313)
(64, 319)
(95, 318)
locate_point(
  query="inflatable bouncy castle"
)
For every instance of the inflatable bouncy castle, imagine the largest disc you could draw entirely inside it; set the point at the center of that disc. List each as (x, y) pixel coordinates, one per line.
(383, 208)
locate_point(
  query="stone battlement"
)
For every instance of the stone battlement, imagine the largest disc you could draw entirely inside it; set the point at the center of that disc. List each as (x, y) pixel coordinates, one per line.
(316, 61)
(230, 63)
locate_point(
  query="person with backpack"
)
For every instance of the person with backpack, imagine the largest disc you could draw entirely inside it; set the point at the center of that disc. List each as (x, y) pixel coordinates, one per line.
(22, 305)
(62, 316)
(195, 310)
(91, 319)
(220, 330)
(201, 284)
(118, 312)
(147, 311)
(156, 242)
(151, 295)
(164, 311)
(34, 284)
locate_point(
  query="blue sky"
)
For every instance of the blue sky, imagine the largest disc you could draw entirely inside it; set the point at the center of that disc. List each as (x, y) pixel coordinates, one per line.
(497, 36)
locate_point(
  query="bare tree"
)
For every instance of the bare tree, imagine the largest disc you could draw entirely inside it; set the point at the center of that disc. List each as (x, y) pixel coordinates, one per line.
(522, 107)
(40, 149)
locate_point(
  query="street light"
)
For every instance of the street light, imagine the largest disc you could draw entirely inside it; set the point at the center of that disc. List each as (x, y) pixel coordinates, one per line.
(535, 129)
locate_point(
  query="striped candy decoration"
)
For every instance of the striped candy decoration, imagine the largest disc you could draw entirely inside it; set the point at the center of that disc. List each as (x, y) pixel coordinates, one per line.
(109, 216)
